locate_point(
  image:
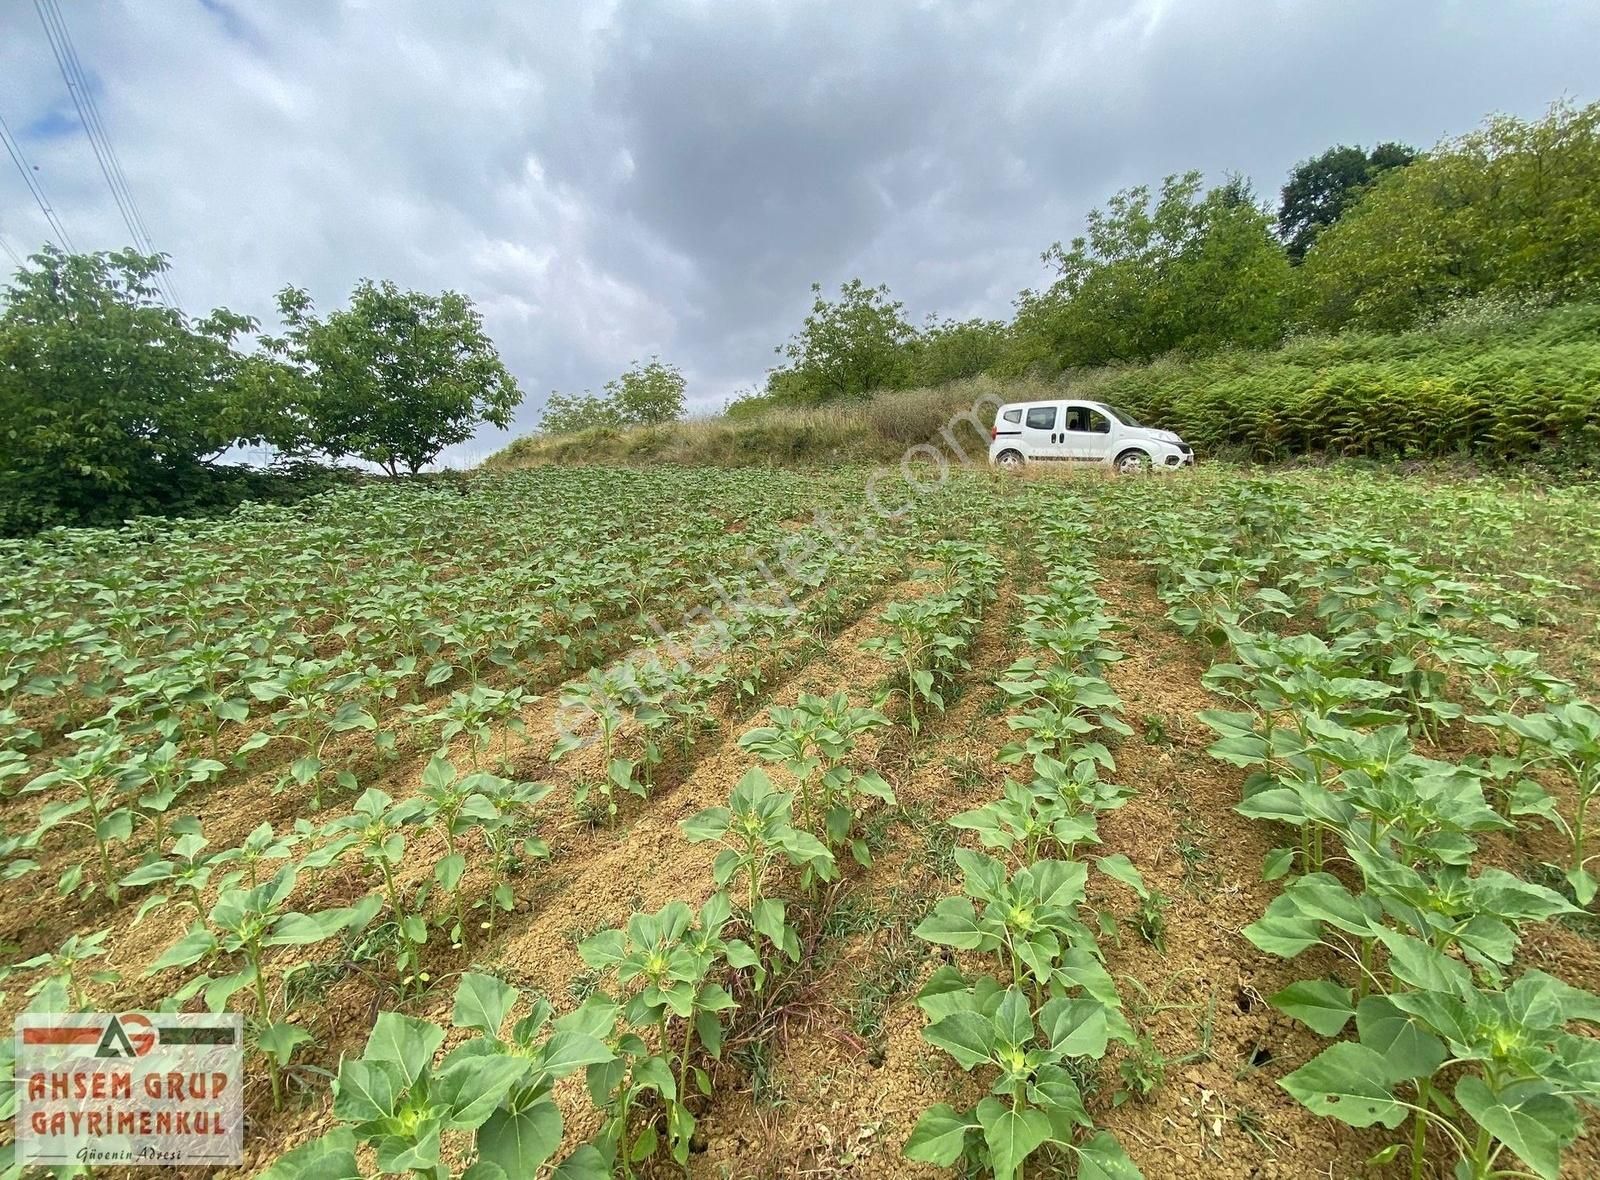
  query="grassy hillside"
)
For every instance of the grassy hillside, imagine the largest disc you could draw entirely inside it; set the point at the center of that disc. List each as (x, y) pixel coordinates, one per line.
(1501, 386)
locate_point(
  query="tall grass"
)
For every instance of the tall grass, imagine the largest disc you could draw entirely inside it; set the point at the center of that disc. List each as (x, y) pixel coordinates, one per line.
(879, 429)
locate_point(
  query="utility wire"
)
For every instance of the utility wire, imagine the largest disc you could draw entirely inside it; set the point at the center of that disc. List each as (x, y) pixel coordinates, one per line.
(10, 253)
(72, 73)
(14, 149)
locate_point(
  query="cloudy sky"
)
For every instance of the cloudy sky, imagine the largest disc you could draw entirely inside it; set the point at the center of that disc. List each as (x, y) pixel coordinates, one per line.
(611, 180)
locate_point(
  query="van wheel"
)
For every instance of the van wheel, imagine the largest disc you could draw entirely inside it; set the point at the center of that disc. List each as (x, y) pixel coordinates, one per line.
(1010, 460)
(1132, 463)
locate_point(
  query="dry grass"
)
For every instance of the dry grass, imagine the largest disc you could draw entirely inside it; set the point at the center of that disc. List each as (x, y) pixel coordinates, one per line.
(955, 418)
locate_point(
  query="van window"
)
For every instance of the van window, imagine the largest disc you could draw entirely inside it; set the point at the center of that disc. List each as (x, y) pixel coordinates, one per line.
(1087, 421)
(1042, 417)
(1012, 416)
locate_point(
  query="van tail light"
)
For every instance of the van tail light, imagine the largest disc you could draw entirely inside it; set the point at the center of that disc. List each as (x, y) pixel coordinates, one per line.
(994, 433)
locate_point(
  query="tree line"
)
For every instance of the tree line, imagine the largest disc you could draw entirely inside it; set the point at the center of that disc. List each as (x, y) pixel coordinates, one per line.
(1379, 240)
(114, 404)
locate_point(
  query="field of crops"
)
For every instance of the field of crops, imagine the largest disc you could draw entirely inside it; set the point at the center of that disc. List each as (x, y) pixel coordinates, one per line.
(740, 823)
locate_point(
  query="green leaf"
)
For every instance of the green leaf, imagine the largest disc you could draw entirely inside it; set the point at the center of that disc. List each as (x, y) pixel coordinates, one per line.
(569, 1050)
(1322, 1006)
(482, 1002)
(1013, 1019)
(939, 1137)
(1011, 1135)
(366, 1090)
(191, 948)
(280, 1040)
(520, 1142)
(966, 1036)
(1075, 1027)
(1526, 1117)
(586, 1163)
(1120, 868)
(449, 870)
(953, 923)
(1240, 749)
(1278, 863)
(408, 1042)
(768, 919)
(1410, 1049)
(1416, 964)
(709, 824)
(332, 1157)
(418, 1151)
(604, 950)
(472, 1087)
(303, 929)
(1283, 935)
(1584, 885)
(1279, 804)
(1349, 1082)
(1100, 1157)
(946, 991)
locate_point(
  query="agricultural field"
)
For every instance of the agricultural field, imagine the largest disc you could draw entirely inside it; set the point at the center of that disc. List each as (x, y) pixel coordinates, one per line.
(737, 823)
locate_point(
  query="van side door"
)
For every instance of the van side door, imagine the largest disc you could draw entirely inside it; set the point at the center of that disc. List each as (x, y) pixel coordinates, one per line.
(1041, 431)
(1086, 435)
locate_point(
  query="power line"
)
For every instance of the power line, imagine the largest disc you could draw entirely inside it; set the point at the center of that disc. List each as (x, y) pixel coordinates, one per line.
(72, 73)
(14, 149)
(10, 253)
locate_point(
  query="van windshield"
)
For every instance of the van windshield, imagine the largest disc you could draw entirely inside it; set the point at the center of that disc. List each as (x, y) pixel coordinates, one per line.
(1122, 416)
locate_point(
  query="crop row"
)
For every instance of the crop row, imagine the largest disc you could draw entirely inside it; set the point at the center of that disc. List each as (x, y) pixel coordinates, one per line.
(1028, 1002)
(1345, 655)
(673, 980)
(128, 790)
(124, 772)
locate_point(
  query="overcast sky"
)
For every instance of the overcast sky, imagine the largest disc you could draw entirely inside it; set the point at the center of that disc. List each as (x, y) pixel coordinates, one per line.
(614, 180)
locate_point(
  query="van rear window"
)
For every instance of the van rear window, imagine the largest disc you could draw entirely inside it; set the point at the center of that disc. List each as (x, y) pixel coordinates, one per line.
(1012, 416)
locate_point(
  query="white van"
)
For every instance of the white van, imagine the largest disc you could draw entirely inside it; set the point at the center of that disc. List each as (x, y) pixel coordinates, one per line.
(1082, 432)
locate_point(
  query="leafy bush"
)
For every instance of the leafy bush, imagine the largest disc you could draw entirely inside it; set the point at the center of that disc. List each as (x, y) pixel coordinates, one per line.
(1507, 208)
(1508, 400)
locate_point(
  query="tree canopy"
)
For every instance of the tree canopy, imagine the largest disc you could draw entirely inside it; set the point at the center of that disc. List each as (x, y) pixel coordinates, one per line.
(111, 403)
(646, 395)
(847, 348)
(1180, 270)
(1320, 189)
(396, 376)
(1508, 209)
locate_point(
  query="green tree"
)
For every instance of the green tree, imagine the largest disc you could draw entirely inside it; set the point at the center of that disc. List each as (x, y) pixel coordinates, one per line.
(1320, 189)
(648, 394)
(1186, 272)
(1508, 209)
(949, 350)
(397, 376)
(111, 403)
(645, 395)
(846, 348)
(569, 413)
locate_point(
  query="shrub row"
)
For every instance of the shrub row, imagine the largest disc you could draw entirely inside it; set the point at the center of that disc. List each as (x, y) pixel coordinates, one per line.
(1504, 403)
